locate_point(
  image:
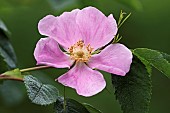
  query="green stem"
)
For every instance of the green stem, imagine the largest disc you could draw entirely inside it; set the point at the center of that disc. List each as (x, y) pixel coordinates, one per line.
(7, 77)
(108, 91)
(34, 68)
(120, 24)
(64, 105)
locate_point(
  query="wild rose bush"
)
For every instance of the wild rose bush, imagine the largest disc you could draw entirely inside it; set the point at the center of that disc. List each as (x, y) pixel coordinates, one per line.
(86, 41)
(81, 33)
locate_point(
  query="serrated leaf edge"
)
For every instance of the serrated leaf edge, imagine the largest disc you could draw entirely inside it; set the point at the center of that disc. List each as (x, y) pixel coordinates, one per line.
(151, 63)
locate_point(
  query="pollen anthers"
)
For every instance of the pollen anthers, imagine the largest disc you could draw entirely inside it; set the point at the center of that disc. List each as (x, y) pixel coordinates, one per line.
(80, 52)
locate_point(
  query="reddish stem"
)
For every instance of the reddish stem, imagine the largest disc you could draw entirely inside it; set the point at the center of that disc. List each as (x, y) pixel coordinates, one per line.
(6, 77)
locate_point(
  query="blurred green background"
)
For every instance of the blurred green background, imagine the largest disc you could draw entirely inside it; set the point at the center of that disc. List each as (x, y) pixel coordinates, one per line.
(148, 26)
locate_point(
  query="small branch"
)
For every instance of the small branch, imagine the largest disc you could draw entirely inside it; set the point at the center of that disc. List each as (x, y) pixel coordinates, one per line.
(34, 68)
(8, 77)
(1, 75)
(64, 105)
(4, 77)
(120, 24)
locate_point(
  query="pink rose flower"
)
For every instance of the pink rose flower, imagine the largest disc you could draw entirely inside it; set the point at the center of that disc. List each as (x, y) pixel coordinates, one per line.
(81, 33)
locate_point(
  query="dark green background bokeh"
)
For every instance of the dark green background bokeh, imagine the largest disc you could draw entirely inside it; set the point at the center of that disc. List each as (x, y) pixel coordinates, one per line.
(148, 26)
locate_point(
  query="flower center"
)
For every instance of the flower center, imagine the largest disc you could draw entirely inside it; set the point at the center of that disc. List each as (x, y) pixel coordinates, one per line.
(80, 52)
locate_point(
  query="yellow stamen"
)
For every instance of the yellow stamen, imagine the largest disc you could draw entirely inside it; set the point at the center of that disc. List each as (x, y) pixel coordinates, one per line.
(80, 52)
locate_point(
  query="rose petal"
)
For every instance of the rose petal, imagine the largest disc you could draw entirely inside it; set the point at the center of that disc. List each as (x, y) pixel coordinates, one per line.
(97, 29)
(115, 58)
(67, 31)
(47, 25)
(86, 81)
(48, 52)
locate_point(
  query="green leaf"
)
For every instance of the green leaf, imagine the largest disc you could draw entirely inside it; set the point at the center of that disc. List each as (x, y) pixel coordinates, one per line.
(166, 56)
(133, 91)
(4, 28)
(72, 106)
(16, 73)
(42, 94)
(146, 63)
(155, 58)
(91, 109)
(3, 65)
(135, 4)
(6, 49)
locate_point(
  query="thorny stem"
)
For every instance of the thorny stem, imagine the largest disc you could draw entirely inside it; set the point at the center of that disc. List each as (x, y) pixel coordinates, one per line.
(34, 68)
